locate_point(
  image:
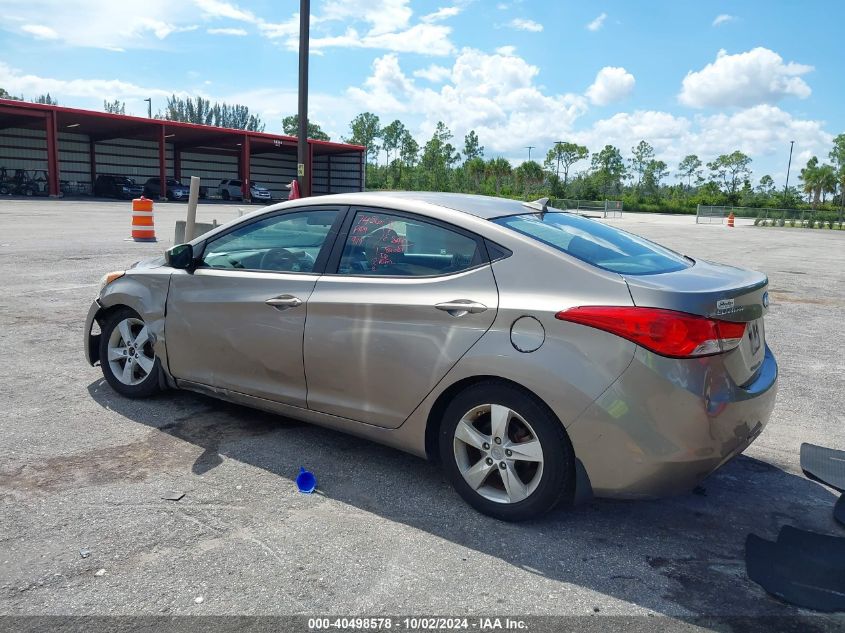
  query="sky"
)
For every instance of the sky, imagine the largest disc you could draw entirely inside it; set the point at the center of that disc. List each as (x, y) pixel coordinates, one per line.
(704, 77)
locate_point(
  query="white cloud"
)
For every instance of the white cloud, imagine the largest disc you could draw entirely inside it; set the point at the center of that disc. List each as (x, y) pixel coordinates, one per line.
(596, 24)
(221, 9)
(722, 18)
(443, 13)
(40, 31)
(434, 73)
(17, 82)
(763, 132)
(102, 24)
(495, 94)
(745, 79)
(524, 24)
(226, 31)
(384, 24)
(612, 84)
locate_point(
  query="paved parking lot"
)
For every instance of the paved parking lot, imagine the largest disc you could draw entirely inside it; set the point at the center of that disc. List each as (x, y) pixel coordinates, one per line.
(82, 468)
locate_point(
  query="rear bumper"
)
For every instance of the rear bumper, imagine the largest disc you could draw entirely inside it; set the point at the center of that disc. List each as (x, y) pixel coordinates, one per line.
(666, 424)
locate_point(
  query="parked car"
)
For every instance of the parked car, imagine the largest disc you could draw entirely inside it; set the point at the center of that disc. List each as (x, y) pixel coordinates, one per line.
(175, 189)
(540, 356)
(233, 190)
(112, 186)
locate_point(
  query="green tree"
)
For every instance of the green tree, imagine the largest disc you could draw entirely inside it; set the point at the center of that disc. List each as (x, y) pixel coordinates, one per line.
(472, 149)
(837, 157)
(499, 169)
(766, 187)
(690, 166)
(529, 176)
(46, 100)
(203, 112)
(655, 171)
(438, 156)
(409, 151)
(475, 169)
(366, 128)
(5, 95)
(290, 126)
(642, 153)
(391, 136)
(114, 107)
(565, 155)
(731, 169)
(608, 169)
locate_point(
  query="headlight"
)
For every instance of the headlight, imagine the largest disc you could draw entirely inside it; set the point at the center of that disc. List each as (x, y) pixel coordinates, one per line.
(110, 277)
(125, 189)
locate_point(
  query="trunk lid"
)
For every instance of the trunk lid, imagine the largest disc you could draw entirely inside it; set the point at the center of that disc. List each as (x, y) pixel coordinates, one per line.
(716, 291)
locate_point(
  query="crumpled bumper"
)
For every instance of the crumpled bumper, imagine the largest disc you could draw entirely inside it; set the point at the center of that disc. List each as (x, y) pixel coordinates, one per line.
(665, 424)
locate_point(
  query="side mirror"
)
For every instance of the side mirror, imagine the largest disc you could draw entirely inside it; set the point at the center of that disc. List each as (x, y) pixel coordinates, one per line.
(180, 256)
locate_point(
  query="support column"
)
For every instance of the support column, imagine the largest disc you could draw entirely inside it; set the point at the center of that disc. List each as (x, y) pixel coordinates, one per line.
(309, 180)
(177, 163)
(52, 155)
(329, 173)
(92, 162)
(162, 164)
(245, 168)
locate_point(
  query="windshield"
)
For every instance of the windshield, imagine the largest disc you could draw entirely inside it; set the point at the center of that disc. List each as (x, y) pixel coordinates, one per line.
(596, 243)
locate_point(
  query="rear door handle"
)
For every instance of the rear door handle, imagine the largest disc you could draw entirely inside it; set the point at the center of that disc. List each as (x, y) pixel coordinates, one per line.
(283, 302)
(460, 307)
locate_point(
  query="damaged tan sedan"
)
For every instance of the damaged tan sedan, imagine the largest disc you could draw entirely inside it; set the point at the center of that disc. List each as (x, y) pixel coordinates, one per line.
(539, 355)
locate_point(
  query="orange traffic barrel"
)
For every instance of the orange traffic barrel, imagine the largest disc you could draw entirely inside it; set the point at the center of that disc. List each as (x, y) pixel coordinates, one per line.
(731, 220)
(143, 224)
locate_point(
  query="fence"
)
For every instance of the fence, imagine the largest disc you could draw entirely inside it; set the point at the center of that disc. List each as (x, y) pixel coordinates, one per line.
(709, 214)
(607, 209)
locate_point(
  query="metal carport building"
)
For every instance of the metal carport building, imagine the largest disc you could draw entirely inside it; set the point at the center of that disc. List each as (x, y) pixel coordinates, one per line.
(69, 147)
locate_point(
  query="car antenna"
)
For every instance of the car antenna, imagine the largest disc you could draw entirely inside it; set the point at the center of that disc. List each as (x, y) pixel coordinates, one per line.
(541, 205)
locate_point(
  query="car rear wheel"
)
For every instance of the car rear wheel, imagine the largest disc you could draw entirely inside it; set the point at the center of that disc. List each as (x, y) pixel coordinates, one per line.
(505, 453)
(126, 355)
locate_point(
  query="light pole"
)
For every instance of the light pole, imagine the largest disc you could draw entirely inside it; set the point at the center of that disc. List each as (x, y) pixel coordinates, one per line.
(149, 107)
(788, 167)
(530, 147)
(302, 140)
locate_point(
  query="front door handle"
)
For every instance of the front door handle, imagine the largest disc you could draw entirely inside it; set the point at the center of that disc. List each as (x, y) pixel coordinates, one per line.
(460, 307)
(283, 302)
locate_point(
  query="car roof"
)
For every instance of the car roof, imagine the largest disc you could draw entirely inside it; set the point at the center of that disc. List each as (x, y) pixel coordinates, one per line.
(485, 207)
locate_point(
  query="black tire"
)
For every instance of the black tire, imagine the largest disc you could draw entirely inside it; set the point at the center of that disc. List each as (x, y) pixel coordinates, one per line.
(225, 194)
(149, 385)
(556, 482)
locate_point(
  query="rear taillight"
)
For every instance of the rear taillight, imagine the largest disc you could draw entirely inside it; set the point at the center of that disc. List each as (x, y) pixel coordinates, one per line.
(665, 332)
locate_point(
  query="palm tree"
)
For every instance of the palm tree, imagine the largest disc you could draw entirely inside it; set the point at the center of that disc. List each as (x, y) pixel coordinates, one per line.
(499, 169)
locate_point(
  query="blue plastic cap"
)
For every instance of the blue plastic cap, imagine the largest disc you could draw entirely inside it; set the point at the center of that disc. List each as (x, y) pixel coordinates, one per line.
(306, 481)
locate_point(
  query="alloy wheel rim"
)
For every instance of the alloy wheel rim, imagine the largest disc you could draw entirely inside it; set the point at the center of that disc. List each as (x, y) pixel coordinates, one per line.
(498, 453)
(130, 352)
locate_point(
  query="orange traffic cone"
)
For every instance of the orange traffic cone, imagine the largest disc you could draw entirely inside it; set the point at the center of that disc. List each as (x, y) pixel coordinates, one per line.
(731, 220)
(143, 224)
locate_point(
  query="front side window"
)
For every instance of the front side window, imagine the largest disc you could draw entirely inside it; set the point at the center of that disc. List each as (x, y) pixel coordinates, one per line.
(596, 243)
(281, 243)
(381, 244)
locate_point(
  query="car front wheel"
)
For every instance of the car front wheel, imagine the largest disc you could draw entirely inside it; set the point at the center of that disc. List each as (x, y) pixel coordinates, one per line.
(505, 453)
(126, 355)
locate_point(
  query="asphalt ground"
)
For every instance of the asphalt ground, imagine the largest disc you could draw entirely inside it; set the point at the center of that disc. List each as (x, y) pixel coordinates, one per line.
(83, 469)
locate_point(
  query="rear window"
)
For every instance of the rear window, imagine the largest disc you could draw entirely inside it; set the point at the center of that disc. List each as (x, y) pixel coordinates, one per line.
(596, 243)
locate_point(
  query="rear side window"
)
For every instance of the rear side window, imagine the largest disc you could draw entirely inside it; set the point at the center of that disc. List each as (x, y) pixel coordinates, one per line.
(596, 243)
(381, 244)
